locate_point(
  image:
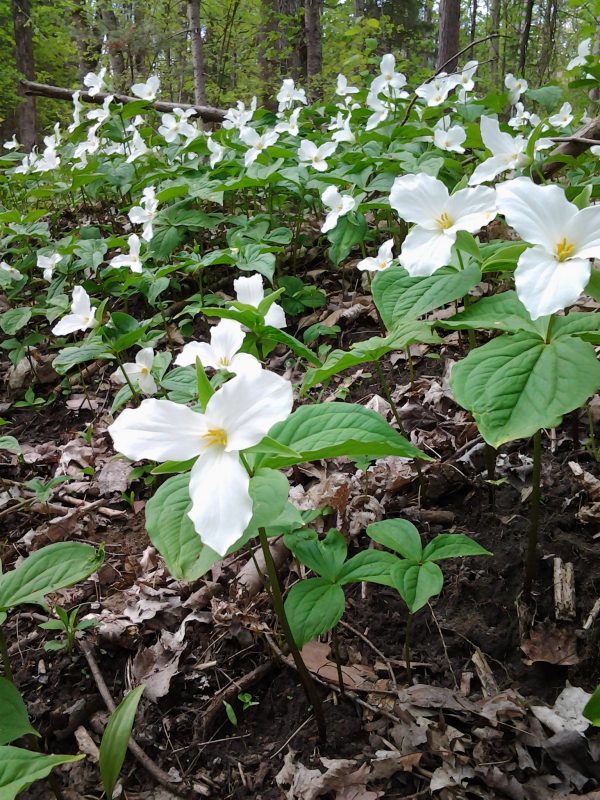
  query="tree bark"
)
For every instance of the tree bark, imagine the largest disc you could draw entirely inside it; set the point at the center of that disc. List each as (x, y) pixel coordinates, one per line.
(193, 8)
(448, 34)
(114, 45)
(89, 40)
(495, 41)
(314, 45)
(26, 111)
(525, 31)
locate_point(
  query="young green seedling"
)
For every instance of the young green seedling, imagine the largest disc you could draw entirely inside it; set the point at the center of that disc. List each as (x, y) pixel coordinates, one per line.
(417, 576)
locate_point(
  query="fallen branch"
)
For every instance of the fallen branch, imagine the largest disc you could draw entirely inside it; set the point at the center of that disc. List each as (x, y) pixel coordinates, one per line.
(571, 146)
(229, 693)
(144, 759)
(207, 113)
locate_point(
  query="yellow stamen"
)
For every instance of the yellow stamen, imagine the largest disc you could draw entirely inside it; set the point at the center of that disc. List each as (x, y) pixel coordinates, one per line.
(224, 361)
(445, 222)
(564, 249)
(143, 370)
(215, 436)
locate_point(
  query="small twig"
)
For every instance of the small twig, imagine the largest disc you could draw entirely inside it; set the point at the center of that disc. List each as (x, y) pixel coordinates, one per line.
(581, 139)
(439, 630)
(376, 650)
(295, 733)
(149, 765)
(230, 692)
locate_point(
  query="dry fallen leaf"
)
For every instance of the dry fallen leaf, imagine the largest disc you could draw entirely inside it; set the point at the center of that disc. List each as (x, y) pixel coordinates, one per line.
(551, 645)
(315, 655)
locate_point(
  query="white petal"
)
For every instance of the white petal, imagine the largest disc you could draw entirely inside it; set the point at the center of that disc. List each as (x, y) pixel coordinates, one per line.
(193, 350)
(499, 142)
(470, 209)
(81, 302)
(331, 220)
(488, 169)
(425, 251)
(250, 290)
(248, 406)
(387, 64)
(147, 383)
(159, 430)
(221, 505)
(145, 357)
(275, 316)
(331, 197)
(244, 364)
(69, 324)
(226, 338)
(368, 264)
(584, 233)
(419, 198)
(545, 285)
(539, 214)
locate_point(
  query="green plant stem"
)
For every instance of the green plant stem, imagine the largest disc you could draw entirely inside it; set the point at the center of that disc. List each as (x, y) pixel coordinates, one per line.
(534, 519)
(134, 391)
(305, 677)
(411, 369)
(336, 652)
(8, 674)
(409, 621)
(388, 396)
(470, 332)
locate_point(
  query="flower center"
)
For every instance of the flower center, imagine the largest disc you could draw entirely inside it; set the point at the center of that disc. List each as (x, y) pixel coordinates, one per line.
(143, 370)
(444, 221)
(224, 361)
(564, 249)
(215, 436)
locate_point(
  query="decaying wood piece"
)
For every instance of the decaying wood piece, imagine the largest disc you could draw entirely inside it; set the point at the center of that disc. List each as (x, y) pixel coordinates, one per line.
(207, 113)
(489, 686)
(591, 617)
(564, 590)
(577, 144)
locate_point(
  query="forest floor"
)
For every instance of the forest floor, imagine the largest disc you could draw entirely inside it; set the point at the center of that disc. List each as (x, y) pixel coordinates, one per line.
(479, 719)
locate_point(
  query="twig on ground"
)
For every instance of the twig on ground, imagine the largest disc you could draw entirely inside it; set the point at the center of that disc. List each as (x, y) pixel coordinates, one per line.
(376, 650)
(230, 692)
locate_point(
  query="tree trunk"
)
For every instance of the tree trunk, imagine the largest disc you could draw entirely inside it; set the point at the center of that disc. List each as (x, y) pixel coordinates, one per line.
(525, 31)
(495, 41)
(548, 38)
(314, 47)
(26, 112)
(448, 35)
(473, 20)
(193, 8)
(114, 45)
(89, 40)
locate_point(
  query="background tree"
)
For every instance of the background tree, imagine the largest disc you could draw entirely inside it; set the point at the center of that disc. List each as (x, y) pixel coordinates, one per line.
(26, 110)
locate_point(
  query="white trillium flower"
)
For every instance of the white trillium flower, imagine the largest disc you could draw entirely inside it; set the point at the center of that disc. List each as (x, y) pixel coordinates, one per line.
(507, 152)
(137, 148)
(516, 87)
(77, 109)
(10, 272)
(145, 213)
(450, 139)
(436, 92)
(12, 144)
(28, 163)
(465, 79)
(553, 273)
(290, 125)
(250, 291)
(226, 339)
(94, 82)
(48, 263)
(257, 143)
(81, 317)
(438, 216)
(237, 416)
(522, 117)
(49, 160)
(342, 88)
(340, 205)
(380, 111)
(148, 90)
(584, 49)
(595, 149)
(131, 259)
(176, 124)
(239, 117)
(383, 259)
(289, 94)
(390, 83)
(217, 151)
(344, 134)
(139, 372)
(563, 118)
(101, 114)
(308, 152)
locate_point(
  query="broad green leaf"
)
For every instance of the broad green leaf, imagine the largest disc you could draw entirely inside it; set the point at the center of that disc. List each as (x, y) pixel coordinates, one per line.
(399, 535)
(399, 297)
(14, 319)
(20, 768)
(276, 335)
(269, 491)
(502, 256)
(349, 231)
(373, 566)
(593, 287)
(370, 350)
(116, 737)
(501, 312)
(172, 532)
(467, 243)
(452, 545)
(547, 96)
(592, 708)
(328, 430)
(517, 383)
(53, 567)
(577, 323)
(323, 556)
(79, 354)
(14, 720)
(312, 607)
(11, 444)
(271, 446)
(417, 583)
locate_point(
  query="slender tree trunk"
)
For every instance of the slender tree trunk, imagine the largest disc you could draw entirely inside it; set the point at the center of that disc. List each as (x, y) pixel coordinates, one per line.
(314, 46)
(193, 7)
(495, 17)
(26, 111)
(448, 35)
(89, 40)
(114, 45)
(595, 92)
(525, 31)
(473, 20)
(548, 39)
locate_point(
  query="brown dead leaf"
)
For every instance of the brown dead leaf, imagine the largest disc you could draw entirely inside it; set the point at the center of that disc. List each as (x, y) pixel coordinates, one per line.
(315, 655)
(343, 777)
(389, 762)
(551, 645)
(113, 477)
